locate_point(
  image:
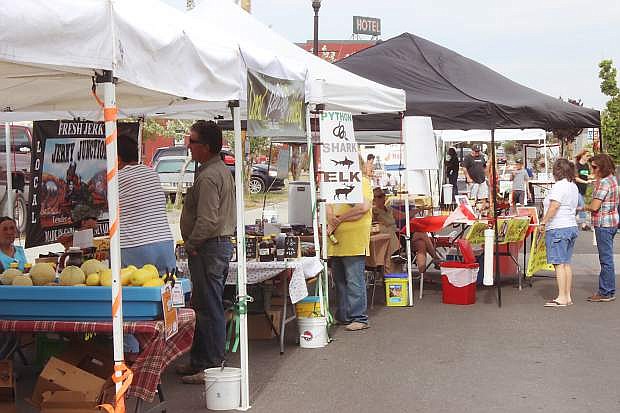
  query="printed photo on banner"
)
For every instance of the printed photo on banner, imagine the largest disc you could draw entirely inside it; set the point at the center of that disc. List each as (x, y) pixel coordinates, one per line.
(516, 229)
(341, 180)
(69, 181)
(275, 106)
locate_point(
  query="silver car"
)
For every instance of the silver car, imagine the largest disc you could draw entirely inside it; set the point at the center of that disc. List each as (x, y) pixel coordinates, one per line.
(176, 174)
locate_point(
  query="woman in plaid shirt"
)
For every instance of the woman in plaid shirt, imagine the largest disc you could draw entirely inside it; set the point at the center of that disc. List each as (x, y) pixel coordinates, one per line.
(604, 208)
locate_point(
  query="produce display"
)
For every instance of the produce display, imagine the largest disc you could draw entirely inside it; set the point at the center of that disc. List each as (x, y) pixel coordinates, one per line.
(91, 273)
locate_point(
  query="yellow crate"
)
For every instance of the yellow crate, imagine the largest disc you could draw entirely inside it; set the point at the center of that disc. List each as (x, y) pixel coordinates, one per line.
(396, 292)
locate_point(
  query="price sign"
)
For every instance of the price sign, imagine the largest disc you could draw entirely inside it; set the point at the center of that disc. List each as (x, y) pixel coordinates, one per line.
(291, 247)
(251, 248)
(171, 323)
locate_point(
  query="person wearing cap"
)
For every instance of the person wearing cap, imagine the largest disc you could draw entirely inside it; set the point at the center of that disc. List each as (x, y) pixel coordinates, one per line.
(520, 179)
(475, 172)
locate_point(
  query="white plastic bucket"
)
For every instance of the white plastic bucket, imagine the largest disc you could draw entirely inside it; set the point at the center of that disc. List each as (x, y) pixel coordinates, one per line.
(312, 332)
(447, 194)
(223, 388)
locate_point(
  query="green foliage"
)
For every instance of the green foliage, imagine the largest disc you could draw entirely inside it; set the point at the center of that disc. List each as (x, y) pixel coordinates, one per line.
(152, 128)
(610, 117)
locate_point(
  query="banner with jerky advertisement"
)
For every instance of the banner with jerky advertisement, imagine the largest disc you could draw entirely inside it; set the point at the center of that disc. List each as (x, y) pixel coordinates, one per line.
(275, 106)
(68, 179)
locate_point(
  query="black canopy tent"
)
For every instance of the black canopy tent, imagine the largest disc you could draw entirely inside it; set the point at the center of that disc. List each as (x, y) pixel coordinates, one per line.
(458, 93)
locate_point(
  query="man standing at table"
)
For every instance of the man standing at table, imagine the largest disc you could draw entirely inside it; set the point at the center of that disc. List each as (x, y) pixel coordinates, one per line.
(475, 172)
(208, 221)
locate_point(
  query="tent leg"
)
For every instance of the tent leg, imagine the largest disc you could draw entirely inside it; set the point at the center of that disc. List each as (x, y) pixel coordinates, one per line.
(109, 116)
(404, 161)
(494, 194)
(241, 264)
(10, 205)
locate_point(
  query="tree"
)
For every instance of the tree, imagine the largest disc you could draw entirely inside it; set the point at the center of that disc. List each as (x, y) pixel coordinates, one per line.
(567, 136)
(610, 117)
(152, 128)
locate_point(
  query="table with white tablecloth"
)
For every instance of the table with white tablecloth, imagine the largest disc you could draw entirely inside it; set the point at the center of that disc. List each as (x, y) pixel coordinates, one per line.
(297, 270)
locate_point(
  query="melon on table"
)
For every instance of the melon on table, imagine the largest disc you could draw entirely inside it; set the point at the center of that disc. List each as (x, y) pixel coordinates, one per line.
(72, 275)
(42, 273)
(22, 280)
(92, 266)
(8, 275)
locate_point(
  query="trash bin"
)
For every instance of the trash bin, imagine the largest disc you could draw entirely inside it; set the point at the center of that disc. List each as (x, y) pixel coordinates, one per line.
(458, 282)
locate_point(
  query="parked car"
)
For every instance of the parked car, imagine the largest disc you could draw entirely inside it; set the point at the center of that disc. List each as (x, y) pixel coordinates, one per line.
(21, 148)
(175, 169)
(169, 151)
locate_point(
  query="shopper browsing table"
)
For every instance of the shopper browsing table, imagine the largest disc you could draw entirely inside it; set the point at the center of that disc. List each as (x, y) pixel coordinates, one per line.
(145, 234)
(10, 253)
(208, 221)
(520, 180)
(582, 179)
(475, 172)
(351, 224)
(604, 208)
(560, 228)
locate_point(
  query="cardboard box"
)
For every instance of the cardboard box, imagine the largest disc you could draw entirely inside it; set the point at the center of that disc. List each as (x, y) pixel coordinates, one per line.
(91, 357)
(259, 327)
(66, 402)
(8, 407)
(61, 376)
(7, 382)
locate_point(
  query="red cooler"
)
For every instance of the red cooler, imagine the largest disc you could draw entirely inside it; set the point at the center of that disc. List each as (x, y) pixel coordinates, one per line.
(458, 282)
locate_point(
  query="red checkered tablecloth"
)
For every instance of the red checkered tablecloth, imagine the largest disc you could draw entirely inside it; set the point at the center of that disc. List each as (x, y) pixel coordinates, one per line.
(155, 355)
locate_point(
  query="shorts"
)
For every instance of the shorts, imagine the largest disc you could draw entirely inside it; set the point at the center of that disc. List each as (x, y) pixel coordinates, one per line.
(518, 197)
(560, 243)
(479, 191)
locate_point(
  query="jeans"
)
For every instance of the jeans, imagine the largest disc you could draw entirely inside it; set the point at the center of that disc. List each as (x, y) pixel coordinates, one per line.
(453, 180)
(581, 202)
(209, 270)
(605, 244)
(350, 288)
(160, 254)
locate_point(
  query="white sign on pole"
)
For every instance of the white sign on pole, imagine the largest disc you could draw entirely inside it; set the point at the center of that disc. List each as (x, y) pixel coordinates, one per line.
(420, 143)
(341, 182)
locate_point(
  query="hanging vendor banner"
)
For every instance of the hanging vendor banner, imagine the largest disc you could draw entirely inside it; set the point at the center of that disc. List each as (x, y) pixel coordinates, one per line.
(275, 106)
(69, 183)
(341, 181)
(538, 255)
(475, 235)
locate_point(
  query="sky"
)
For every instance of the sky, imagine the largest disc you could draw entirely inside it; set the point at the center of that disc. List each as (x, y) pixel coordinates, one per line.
(553, 46)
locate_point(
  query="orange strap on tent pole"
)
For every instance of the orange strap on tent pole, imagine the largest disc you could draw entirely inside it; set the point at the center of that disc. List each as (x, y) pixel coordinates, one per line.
(126, 377)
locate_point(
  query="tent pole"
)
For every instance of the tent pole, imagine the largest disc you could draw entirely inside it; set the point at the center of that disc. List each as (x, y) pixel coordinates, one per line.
(600, 140)
(546, 160)
(9, 171)
(404, 161)
(241, 264)
(109, 115)
(314, 205)
(494, 194)
(140, 131)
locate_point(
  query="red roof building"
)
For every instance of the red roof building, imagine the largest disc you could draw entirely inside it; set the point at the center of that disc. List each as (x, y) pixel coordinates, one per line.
(334, 50)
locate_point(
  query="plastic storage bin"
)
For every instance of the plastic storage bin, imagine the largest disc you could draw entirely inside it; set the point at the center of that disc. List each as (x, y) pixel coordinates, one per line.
(308, 307)
(458, 282)
(80, 303)
(396, 290)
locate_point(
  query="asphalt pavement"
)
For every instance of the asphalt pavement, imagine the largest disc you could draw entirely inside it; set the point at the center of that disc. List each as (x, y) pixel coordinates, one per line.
(434, 357)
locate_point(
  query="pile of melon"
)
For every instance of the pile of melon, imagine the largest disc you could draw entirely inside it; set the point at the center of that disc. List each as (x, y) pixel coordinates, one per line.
(90, 273)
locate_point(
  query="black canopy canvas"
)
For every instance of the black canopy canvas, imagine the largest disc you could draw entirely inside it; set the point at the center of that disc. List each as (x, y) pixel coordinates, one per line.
(457, 92)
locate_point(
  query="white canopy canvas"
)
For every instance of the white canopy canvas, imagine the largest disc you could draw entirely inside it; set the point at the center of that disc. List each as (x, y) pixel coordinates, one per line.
(338, 89)
(49, 52)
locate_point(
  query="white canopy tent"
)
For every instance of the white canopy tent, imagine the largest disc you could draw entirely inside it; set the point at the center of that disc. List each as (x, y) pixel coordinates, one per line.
(51, 56)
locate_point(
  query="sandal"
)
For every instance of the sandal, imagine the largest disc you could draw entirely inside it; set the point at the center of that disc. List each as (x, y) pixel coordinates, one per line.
(554, 303)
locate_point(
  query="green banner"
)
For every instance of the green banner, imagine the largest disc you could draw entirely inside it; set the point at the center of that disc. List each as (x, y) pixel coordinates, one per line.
(275, 106)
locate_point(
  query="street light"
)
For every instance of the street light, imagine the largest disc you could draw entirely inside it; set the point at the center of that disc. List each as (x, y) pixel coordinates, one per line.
(316, 5)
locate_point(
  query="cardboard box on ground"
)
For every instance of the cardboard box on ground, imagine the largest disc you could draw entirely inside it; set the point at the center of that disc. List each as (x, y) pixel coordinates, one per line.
(7, 387)
(63, 387)
(259, 327)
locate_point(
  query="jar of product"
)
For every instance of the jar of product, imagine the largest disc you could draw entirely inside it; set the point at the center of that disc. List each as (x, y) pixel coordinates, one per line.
(27, 267)
(233, 258)
(280, 246)
(264, 250)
